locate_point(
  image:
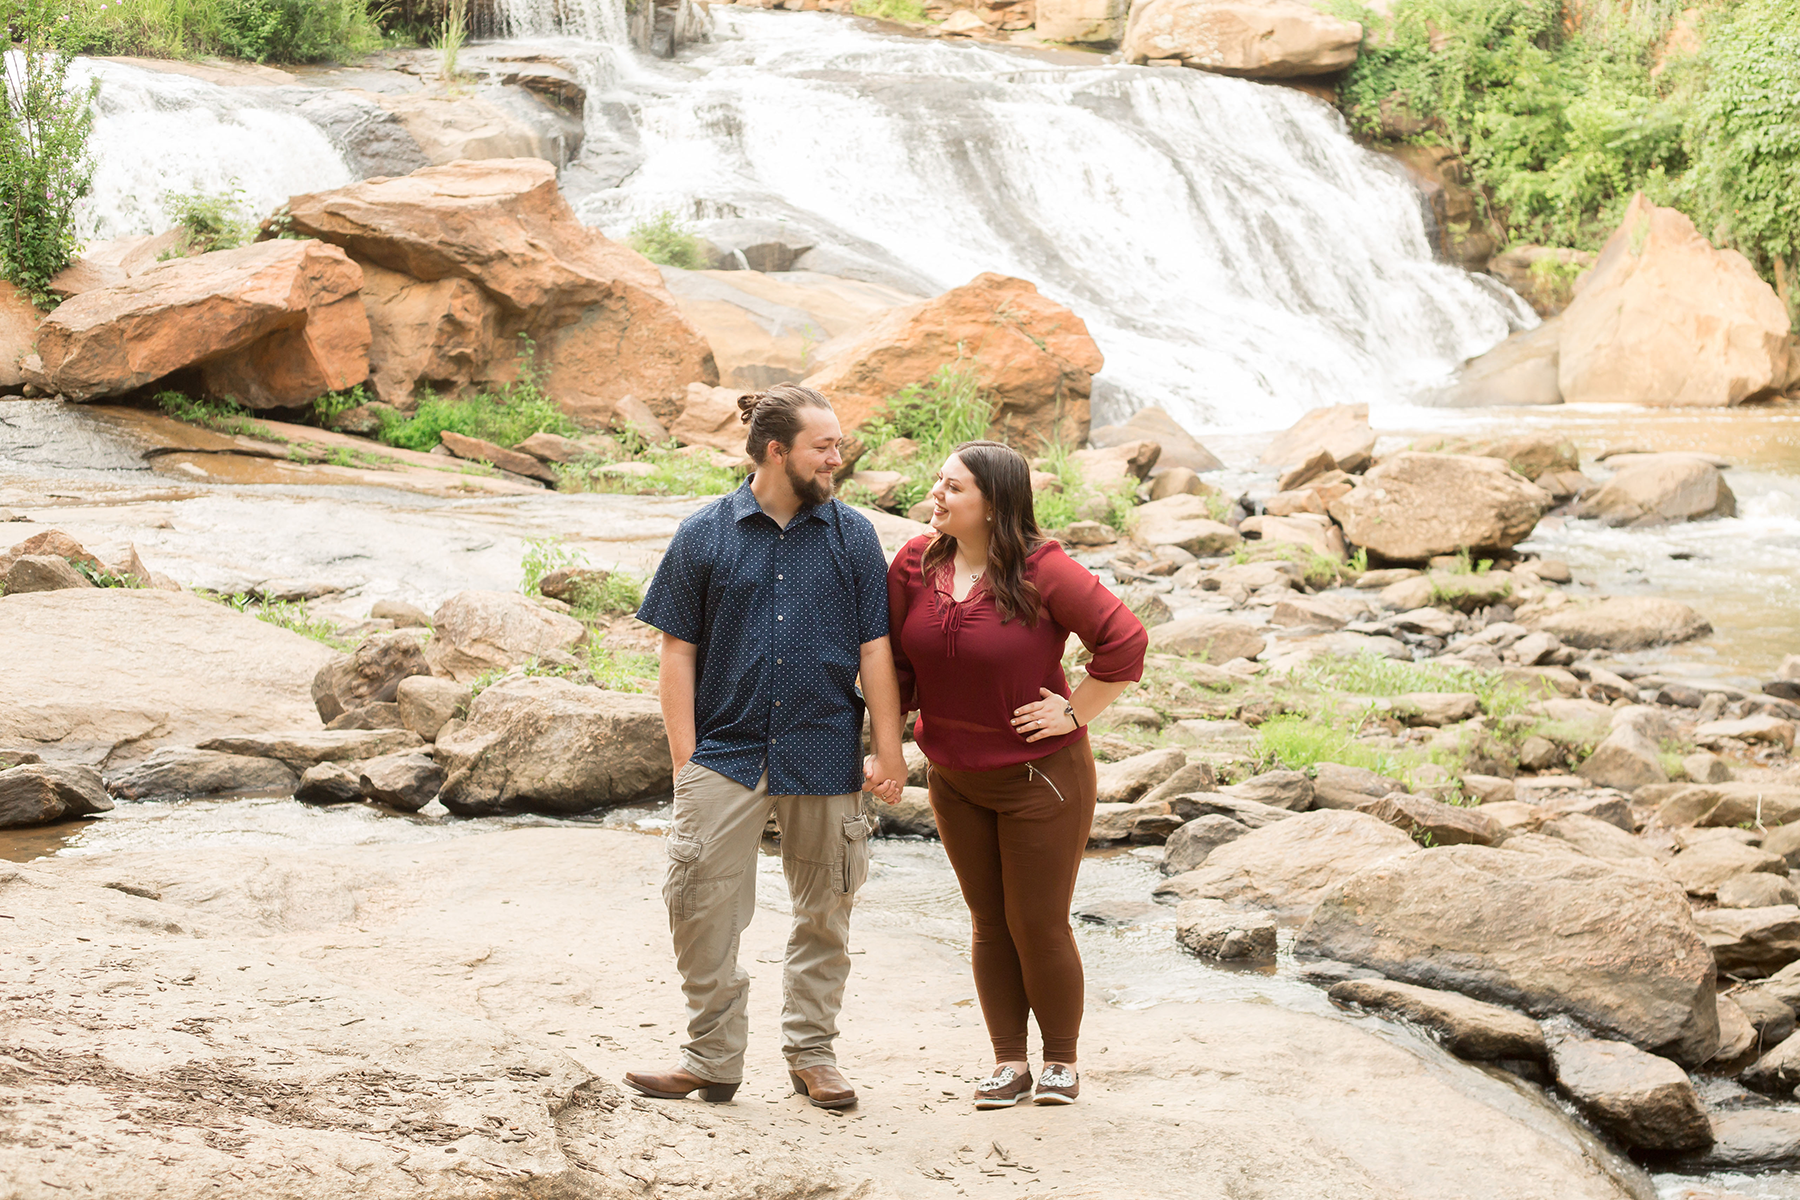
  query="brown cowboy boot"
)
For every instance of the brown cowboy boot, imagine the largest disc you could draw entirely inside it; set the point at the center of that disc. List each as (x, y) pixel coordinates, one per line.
(679, 1085)
(824, 1085)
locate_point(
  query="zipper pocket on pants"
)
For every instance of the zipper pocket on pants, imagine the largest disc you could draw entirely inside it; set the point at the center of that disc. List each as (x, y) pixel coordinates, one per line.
(1032, 772)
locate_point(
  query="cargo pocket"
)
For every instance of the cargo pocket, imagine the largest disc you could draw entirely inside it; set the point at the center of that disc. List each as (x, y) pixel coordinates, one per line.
(856, 853)
(678, 890)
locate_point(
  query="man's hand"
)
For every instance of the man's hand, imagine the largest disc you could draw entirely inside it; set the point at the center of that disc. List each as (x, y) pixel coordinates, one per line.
(884, 779)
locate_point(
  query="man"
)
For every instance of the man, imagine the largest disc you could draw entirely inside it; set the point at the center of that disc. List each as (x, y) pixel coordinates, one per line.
(771, 601)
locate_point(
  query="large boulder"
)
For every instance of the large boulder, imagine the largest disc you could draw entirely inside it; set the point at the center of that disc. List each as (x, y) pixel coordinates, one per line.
(1179, 448)
(425, 333)
(1519, 371)
(1086, 22)
(1341, 430)
(1752, 941)
(1260, 39)
(543, 744)
(38, 793)
(19, 320)
(272, 324)
(1644, 1101)
(1032, 355)
(1185, 521)
(370, 674)
(1468, 1028)
(1622, 623)
(603, 324)
(1413, 506)
(1288, 865)
(1129, 779)
(1661, 488)
(1530, 454)
(163, 667)
(1548, 933)
(179, 772)
(1218, 640)
(1436, 823)
(303, 748)
(478, 632)
(1667, 319)
(776, 327)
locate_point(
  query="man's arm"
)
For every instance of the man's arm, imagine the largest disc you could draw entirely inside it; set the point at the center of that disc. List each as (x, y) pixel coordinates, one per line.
(675, 680)
(881, 691)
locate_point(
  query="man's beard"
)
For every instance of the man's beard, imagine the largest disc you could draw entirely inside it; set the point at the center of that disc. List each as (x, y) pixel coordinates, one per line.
(807, 487)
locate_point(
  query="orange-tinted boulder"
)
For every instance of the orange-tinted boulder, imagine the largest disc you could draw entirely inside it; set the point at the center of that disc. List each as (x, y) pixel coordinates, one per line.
(439, 334)
(1033, 355)
(18, 327)
(276, 323)
(602, 322)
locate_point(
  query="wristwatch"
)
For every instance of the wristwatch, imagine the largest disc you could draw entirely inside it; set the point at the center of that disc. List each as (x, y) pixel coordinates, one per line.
(1070, 709)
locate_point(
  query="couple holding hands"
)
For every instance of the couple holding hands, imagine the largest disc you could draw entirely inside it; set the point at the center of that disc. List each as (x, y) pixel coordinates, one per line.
(772, 602)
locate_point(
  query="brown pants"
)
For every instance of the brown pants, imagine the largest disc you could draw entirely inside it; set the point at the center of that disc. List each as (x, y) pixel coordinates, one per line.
(1015, 837)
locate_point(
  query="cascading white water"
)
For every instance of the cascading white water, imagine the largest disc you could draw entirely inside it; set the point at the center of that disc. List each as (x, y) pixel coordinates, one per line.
(1237, 257)
(157, 135)
(593, 20)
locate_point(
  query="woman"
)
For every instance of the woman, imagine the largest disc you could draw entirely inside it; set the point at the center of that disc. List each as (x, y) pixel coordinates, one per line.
(980, 610)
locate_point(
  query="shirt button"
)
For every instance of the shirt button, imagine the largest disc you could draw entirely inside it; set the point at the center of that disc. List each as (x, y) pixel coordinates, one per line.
(778, 704)
(778, 662)
(771, 741)
(781, 577)
(779, 617)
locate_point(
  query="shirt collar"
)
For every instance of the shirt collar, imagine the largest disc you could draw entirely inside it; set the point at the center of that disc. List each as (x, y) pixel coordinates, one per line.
(744, 504)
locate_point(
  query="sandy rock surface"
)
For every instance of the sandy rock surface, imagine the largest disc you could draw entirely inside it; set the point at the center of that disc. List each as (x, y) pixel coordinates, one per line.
(447, 1020)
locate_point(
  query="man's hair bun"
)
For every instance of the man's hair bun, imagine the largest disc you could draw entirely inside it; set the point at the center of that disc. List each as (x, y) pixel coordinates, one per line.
(747, 405)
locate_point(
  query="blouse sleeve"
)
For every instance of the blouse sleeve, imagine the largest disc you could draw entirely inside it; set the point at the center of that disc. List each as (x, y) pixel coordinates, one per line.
(899, 584)
(1080, 603)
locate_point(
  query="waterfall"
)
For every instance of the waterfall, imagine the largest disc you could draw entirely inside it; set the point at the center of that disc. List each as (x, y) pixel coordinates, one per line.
(158, 134)
(1236, 255)
(592, 20)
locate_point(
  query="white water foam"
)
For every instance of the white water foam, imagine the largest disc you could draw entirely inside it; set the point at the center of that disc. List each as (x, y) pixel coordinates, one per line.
(157, 135)
(593, 20)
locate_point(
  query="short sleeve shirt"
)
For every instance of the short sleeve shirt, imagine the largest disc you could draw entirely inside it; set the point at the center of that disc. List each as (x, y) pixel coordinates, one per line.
(780, 617)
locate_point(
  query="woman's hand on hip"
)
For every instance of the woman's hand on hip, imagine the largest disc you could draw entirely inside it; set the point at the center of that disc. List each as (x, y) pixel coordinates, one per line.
(1048, 718)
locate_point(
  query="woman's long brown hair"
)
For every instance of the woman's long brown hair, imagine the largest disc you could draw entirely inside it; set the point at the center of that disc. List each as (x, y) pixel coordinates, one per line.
(1004, 478)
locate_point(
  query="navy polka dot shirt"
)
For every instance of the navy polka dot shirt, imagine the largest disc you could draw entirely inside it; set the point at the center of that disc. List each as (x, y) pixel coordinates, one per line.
(780, 617)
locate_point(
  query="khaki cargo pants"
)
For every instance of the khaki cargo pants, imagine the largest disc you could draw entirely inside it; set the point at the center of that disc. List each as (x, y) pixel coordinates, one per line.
(711, 893)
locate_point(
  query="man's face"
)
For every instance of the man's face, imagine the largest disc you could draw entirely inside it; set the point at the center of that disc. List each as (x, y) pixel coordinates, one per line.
(815, 456)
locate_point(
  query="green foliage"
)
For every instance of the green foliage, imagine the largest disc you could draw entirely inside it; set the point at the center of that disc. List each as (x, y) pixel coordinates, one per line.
(1316, 570)
(1298, 743)
(506, 417)
(224, 415)
(287, 615)
(663, 239)
(911, 11)
(1113, 503)
(940, 415)
(1745, 136)
(1373, 675)
(452, 32)
(544, 555)
(332, 405)
(619, 670)
(260, 30)
(213, 220)
(675, 473)
(45, 164)
(618, 595)
(101, 577)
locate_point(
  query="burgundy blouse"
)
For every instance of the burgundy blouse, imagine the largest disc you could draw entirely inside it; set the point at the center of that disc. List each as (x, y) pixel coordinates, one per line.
(966, 671)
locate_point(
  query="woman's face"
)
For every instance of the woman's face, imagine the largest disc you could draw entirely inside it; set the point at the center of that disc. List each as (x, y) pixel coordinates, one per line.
(958, 509)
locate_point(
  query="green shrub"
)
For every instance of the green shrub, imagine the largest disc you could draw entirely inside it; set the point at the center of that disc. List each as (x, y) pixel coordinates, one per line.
(941, 414)
(332, 405)
(1298, 743)
(542, 556)
(224, 415)
(288, 31)
(664, 240)
(213, 221)
(619, 670)
(675, 475)
(506, 417)
(45, 164)
(912, 11)
(617, 596)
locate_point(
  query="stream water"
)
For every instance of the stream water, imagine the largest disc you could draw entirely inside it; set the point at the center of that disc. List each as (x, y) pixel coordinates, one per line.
(1238, 258)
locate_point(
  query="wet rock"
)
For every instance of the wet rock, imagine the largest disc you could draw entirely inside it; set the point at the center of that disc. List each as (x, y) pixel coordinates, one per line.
(1660, 489)
(1702, 767)
(427, 702)
(1180, 450)
(1623, 623)
(1185, 521)
(1702, 868)
(1189, 845)
(1551, 933)
(1666, 319)
(301, 748)
(1434, 823)
(177, 668)
(1467, 1028)
(1031, 353)
(1737, 1037)
(1115, 912)
(1749, 1139)
(1413, 506)
(604, 325)
(1129, 779)
(1338, 786)
(38, 793)
(911, 816)
(1625, 759)
(1756, 889)
(329, 783)
(1752, 941)
(1646, 1102)
(178, 772)
(1213, 639)
(479, 632)
(1291, 790)
(1341, 431)
(1769, 1016)
(1759, 728)
(406, 781)
(543, 744)
(1210, 930)
(1777, 1072)
(273, 323)
(1288, 865)
(1435, 709)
